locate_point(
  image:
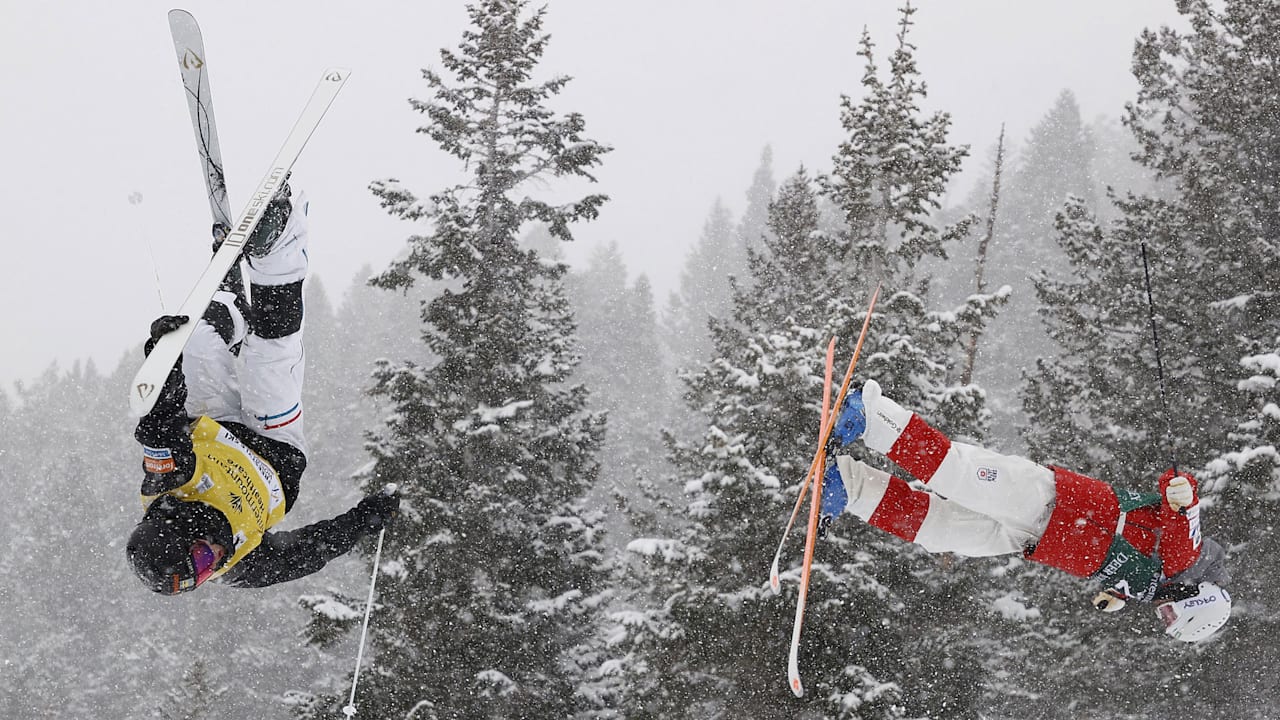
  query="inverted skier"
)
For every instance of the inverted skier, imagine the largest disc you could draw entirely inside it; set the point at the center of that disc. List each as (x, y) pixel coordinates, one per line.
(1145, 547)
(223, 448)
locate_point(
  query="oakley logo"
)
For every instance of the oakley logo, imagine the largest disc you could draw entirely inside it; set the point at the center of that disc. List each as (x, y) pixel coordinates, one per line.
(1198, 601)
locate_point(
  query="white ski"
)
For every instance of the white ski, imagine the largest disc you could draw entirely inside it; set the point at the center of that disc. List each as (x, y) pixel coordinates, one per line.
(155, 368)
(193, 64)
(189, 45)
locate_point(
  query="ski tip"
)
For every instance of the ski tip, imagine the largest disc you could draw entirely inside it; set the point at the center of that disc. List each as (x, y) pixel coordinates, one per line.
(796, 688)
(142, 398)
(337, 74)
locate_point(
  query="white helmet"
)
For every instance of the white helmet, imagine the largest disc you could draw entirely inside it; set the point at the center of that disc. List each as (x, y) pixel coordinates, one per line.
(1194, 617)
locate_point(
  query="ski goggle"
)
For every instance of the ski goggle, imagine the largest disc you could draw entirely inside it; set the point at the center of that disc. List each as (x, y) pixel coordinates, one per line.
(1175, 592)
(204, 558)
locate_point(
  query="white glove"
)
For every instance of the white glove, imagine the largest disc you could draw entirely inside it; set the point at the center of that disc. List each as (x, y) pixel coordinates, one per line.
(1107, 601)
(1178, 493)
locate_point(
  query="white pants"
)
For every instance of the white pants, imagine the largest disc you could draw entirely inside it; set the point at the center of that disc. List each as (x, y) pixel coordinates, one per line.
(262, 388)
(975, 524)
(982, 502)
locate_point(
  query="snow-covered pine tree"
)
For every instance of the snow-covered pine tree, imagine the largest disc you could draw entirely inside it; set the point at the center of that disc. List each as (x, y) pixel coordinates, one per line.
(195, 698)
(622, 364)
(889, 176)
(1199, 129)
(887, 634)
(1204, 118)
(703, 292)
(1054, 163)
(754, 223)
(888, 180)
(494, 569)
(708, 639)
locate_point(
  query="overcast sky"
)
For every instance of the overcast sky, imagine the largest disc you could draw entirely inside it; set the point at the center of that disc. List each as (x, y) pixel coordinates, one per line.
(688, 93)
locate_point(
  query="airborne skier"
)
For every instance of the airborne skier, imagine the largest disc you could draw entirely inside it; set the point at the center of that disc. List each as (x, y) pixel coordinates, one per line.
(223, 447)
(1145, 547)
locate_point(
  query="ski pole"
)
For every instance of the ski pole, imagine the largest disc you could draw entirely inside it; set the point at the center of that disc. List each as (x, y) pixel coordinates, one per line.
(350, 709)
(1164, 402)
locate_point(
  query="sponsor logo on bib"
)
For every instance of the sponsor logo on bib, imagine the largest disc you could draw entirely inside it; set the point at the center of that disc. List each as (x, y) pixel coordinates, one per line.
(157, 460)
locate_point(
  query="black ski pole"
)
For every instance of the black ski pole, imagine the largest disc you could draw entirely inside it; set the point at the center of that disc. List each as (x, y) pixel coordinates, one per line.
(1164, 402)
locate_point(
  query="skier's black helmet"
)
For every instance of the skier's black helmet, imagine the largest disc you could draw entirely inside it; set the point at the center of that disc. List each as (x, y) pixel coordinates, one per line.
(160, 546)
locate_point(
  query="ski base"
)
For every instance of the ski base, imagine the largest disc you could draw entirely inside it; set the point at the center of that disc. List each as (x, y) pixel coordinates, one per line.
(151, 377)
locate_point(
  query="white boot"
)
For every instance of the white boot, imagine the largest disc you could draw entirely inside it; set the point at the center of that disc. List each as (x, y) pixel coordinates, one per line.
(278, 255)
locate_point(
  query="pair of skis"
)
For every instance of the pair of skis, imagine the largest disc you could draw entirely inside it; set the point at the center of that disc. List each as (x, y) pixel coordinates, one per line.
(189, 45)
(813, 484)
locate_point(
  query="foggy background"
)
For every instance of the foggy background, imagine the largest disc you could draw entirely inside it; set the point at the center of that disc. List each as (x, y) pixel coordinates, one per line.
(598, 547)
(688, 94)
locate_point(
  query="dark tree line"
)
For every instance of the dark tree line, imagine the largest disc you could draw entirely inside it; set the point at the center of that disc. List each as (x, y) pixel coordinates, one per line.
(595, 479)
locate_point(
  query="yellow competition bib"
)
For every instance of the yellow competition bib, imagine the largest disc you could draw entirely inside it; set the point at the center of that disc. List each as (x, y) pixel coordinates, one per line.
(237, 482)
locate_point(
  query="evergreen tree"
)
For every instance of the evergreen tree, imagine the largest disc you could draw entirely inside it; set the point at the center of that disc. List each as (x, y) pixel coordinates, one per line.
(754, 223)
(889, 177)
(1054, 165)
(494, 568)
(704, 290)
(621, 361)
(1203, 120)
(712, 642)
(196, 698)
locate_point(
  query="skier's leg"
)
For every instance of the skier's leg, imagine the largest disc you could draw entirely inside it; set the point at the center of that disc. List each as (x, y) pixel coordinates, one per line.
(1012, 490)
(931, 521)
(272, 356)
(208, 361)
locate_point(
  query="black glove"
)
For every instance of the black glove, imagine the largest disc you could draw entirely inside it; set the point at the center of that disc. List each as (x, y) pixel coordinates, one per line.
(378, 510)
(173, 396)
(162, 326)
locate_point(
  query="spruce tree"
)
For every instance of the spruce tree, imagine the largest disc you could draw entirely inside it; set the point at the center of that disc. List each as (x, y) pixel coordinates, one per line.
(622, 363)
(704, 290)
(494, 569)
(1203, 119)
(754, 223)
(889, 176)
(1053, 165)
(713, 642)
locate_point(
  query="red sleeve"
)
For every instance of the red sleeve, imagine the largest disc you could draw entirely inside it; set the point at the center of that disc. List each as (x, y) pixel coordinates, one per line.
(1180, 531)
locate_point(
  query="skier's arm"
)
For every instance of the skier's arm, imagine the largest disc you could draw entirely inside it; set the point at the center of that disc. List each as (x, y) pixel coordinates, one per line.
(1180, 523)
(168, 460)
(292, 554)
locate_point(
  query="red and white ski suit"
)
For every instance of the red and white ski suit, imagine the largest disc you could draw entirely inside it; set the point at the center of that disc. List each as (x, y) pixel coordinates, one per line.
(985, 503)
